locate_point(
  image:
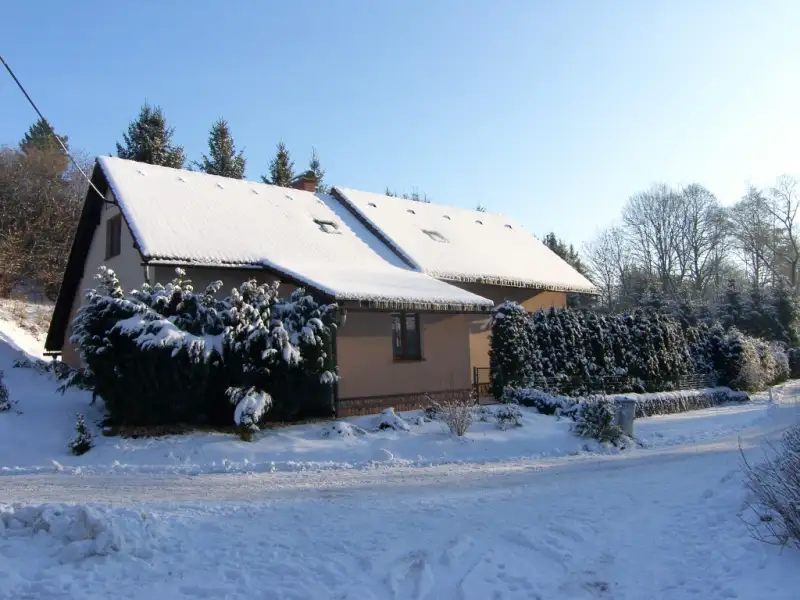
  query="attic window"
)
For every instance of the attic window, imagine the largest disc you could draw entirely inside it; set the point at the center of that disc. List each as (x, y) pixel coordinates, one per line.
(113, 236)
(447, 217)
(509, 226)
(181, 178)
(288, 197)
(142, 173)
(220, 186)
(255, 191)
(479, 222)
(373, 205)
(435, 236)
(408, 210)
(328, 226)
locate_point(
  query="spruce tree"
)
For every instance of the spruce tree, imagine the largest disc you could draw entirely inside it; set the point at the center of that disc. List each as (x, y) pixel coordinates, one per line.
(149, 140)
(223, 159)
(315, 169)
(281, 168)
(566, 252)
(787, 311)
(41, 137)
(510, 350)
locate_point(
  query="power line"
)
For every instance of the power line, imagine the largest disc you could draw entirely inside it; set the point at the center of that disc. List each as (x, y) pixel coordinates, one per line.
(52, 131)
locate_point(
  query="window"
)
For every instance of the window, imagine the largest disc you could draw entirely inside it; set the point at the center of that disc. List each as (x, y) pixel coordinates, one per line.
(406, 338)
(327, 226)
(113, 236)
(435, 236)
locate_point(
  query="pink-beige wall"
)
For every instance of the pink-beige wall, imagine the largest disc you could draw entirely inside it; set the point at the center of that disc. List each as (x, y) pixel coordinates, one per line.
(531, 301)
(127, 265)
(368, 369)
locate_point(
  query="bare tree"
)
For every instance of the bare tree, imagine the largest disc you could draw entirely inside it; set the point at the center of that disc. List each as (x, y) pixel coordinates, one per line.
(608, 260)
(783, 204)
(703, 233)
(753, 230)
(653, 222)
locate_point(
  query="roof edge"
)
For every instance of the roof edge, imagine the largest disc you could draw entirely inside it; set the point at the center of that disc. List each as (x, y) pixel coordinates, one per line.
(517, 283)
(90, 218)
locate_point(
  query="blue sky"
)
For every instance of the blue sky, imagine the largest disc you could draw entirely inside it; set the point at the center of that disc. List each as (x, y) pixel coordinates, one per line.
(552, 112)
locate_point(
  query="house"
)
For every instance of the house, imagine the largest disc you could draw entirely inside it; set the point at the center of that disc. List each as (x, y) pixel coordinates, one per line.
(415, 282)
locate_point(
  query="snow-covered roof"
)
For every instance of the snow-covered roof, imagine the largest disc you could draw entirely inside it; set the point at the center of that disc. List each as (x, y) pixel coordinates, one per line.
(457, 244)
(188, 217)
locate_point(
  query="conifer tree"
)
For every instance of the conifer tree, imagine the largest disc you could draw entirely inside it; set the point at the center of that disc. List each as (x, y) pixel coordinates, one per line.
(510, 356)
(223, 159)
(315, 169)
(281, 168)
(41, 137)
(566, 252)
(149, 140)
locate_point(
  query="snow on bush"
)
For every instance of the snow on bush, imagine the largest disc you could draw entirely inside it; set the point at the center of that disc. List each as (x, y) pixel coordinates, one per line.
(596, 418)
(341, 429)
(167, 354)
(647, 405)
(546, 404)
(775, 483)
(508, 415)
(82, 442)
(575, 353)
(457, 413)
(388, 419)
(5, 400)
(82, 531)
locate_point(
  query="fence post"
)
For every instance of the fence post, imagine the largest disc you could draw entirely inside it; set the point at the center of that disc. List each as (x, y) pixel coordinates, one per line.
(626, 413)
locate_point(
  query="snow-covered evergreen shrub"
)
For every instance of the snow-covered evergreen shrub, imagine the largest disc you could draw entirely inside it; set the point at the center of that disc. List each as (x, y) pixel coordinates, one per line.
(82, 442)
(5, 401)
(341, 429)
(508, 415)
(776, 486)
(510, 352)
(793, 354)
(596, 418)
(388, 419)
(166, 354)
(664, 403)
(546, 404)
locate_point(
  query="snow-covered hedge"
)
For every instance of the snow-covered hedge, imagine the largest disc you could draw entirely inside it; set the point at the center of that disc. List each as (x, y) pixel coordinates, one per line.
(581, 353)
(647, 405)
(166, 354)
(5, 402)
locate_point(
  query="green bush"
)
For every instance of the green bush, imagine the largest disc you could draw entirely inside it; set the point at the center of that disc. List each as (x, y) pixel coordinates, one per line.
(167, 355)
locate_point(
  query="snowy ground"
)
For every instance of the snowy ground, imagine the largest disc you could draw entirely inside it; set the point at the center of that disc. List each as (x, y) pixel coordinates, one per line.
(523, 513)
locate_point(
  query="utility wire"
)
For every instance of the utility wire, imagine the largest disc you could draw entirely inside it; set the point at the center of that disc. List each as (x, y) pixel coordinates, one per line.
(52, 132)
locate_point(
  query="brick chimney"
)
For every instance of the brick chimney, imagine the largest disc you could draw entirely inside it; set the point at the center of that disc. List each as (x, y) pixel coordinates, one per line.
(306, 182)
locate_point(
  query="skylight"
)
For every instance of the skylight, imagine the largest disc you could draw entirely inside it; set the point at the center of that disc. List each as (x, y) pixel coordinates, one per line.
(479, 222)
(509, 226)
(373, 205)
(327, 226)
(410, 211)
(435, 236)
(447, 217)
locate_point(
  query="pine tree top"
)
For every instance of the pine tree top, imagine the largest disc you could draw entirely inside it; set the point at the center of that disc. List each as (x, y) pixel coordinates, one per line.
(223, 159)
(281, 168)
(149, 140)
(40, 136)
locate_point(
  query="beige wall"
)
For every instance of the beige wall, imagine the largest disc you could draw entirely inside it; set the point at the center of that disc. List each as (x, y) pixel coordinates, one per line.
(127, 266)
(531, 301)
(367, 367)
